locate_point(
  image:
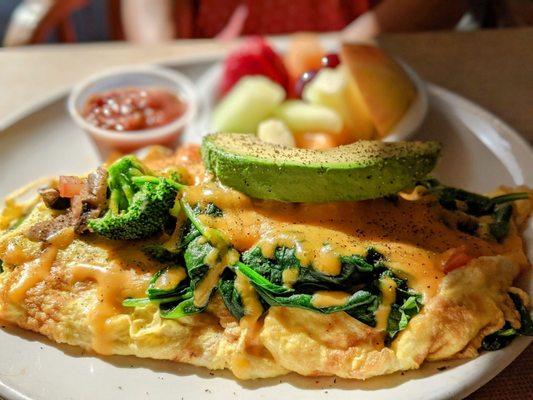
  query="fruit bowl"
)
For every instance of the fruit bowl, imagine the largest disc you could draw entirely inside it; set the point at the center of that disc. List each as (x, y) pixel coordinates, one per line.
(402, 130)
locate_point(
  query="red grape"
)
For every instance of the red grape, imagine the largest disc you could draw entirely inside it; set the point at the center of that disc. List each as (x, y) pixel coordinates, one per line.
(304, 80)
(330, 60)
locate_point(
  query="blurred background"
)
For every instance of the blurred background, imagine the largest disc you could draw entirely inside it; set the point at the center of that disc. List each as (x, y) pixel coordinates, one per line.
(26, 22)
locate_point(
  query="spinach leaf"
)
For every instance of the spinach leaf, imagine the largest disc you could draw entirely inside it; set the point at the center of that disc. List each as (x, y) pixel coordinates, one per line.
(160, 296)
(406, 305)
(194, 256)
(526, 324)
(197, 248)
(503, 337)
(476, 205)
(162, 254)
(499, 339)
(154, 292)
(182, 309)
(358, 303)
(359, 275)
(355, 270)
(271, 269)
(499, 228)
(260, 281)
(230, 295)
(212, 210)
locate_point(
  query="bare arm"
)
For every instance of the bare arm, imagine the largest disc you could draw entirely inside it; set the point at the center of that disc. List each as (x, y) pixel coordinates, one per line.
(148, 21)
(405, 16)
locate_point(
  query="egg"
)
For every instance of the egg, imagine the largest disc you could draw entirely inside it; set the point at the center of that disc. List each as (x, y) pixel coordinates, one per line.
(72, 291)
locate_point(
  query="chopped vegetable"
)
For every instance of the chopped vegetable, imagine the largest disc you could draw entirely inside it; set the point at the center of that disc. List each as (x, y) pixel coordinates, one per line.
(476, 205)
(139, 202)
(70, 186)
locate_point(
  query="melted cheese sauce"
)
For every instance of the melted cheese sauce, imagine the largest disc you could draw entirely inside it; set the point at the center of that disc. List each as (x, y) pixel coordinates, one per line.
(250, 300)
(217, 260)
(114, 284)
(32, 273)
(324, 258)
(410, 234)
(388, 297)
(37, 270)
(15, 255)
(170, 278)
(325, 298)
(289, 276)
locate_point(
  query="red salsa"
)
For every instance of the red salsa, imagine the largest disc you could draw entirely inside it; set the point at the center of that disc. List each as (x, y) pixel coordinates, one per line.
(133, 109)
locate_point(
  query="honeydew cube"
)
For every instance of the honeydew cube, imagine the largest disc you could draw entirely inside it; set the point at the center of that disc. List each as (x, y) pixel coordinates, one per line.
(301, 117)
(249, 102)
(276, 132)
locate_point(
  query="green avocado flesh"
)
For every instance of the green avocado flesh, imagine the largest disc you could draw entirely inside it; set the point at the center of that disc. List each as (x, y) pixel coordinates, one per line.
(358, 171)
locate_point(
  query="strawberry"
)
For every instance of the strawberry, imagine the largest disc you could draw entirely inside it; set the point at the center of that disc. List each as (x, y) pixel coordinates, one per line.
(254, 57)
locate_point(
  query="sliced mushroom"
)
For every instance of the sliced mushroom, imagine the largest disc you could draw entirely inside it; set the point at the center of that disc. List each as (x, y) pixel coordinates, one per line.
(53, 199)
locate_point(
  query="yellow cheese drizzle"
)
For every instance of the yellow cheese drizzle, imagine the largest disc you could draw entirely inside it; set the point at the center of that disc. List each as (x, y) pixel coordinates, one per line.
(388, 296)
(319, 253)
(250, 300)
(289, 276)
(326, 298)
(170, 278)
(113, 285)
(217, 260)
(32, 273)
(37, 270)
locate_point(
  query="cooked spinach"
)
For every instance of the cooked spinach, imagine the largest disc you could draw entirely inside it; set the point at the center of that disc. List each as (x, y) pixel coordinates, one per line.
(172, 255)
(1, 266)
(193, 249)
(359, 304)
(182, 309)
(162, 254)
(158, 295)
(503, 337)
(406, 305)
(230, 295)
(499, 228)
(526, 324)
(359, 275)
(476, 205)
(499, 339)
(355, 270)
(212, 210)
(197, 245)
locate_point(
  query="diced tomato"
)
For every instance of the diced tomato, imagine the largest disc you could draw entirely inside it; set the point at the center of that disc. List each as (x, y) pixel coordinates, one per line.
(455, 258)
(69, 186)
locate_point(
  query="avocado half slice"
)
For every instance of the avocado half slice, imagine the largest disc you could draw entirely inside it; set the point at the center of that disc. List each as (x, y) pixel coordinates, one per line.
(366, 169)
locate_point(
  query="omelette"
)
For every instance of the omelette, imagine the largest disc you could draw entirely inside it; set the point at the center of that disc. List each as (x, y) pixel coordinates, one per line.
(353, 289)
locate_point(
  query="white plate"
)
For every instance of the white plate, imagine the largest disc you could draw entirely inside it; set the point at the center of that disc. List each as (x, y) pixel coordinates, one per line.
(480, 152)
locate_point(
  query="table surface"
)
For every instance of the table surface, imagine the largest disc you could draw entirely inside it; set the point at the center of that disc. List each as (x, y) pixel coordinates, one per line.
(491, 68)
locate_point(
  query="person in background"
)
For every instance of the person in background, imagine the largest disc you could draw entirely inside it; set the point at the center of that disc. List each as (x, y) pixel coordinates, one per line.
(149, 21)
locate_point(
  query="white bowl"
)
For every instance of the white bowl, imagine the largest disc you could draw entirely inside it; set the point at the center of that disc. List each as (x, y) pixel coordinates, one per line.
(146, 76)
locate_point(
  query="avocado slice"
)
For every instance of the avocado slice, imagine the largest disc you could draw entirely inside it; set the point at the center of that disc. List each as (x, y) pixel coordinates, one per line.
(366, 169)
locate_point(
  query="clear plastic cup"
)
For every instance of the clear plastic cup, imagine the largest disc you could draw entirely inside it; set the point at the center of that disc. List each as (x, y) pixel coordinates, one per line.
(145, 77)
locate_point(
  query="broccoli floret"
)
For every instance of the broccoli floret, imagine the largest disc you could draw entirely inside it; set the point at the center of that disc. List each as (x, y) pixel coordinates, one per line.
(139, 202)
